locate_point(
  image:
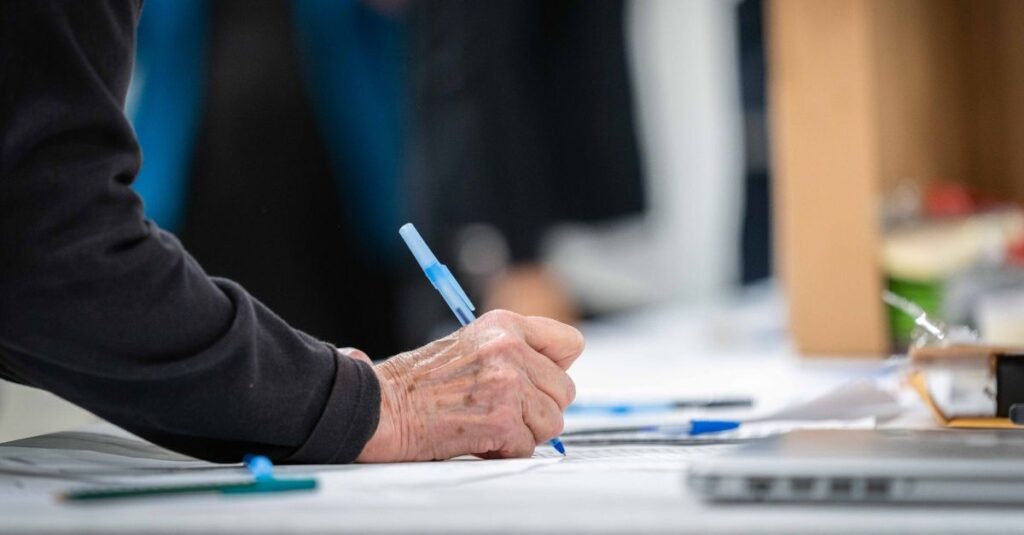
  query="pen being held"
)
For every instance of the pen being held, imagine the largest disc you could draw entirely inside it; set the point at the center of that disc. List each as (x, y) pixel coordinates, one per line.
(495, 388)
(450, 290)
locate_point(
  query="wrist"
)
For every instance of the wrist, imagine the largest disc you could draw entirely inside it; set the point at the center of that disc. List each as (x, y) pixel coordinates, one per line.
(387, 444)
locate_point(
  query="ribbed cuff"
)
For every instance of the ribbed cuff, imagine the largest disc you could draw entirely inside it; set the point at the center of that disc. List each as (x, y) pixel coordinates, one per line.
(349, 419)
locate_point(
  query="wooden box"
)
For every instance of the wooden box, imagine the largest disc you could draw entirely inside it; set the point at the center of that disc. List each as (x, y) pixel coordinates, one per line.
(865, 94)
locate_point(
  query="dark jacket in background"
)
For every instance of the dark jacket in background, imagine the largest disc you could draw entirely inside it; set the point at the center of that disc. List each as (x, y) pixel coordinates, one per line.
(109, 312)
(263, 199)
(522, 117)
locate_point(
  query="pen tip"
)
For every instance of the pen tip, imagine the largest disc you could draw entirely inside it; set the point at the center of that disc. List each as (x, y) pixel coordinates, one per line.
(557, 444)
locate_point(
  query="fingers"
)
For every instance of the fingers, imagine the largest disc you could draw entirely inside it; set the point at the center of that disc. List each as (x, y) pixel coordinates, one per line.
(543, 417)
(540, 421)
(561, 343)
(495, 389)
(518, 415)
(550, 379)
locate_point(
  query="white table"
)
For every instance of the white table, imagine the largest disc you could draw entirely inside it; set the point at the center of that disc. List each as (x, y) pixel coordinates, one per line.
(681, 351)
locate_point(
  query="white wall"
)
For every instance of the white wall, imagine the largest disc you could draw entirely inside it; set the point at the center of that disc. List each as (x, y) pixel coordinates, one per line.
(686, 86)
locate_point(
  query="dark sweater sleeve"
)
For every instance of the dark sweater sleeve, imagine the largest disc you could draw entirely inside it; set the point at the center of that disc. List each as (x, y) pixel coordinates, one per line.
(101, 307)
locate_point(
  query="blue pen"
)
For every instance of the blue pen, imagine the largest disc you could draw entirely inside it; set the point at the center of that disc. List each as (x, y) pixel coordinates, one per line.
(584, 408)
(692, 428)
(445, 283)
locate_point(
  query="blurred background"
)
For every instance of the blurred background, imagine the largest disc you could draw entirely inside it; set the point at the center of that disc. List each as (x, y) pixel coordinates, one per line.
(574, 159)
(586, 159)
(558, 155)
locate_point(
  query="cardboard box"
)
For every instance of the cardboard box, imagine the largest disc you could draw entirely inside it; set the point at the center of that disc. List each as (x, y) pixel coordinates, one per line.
(864, 95)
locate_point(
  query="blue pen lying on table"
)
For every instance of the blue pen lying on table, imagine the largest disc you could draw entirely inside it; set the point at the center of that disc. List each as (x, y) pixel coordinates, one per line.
(691, 428)
(445, 282)
(598, 409)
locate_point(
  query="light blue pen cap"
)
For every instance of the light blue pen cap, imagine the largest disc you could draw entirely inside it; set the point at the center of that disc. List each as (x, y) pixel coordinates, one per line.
(439, 275)
(419, 248)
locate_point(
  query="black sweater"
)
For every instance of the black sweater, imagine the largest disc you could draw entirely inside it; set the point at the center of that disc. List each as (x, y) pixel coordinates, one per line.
(102, 308)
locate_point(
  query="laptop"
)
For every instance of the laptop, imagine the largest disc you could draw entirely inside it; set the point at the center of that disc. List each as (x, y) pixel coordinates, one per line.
(898, 466)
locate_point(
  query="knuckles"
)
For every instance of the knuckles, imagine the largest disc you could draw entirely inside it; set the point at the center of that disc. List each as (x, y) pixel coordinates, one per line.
(502, 347)
(500, 318)
(499, 380)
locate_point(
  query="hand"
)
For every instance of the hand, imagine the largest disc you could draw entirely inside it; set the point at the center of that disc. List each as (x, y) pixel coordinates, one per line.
(495, 388)
(531, 290)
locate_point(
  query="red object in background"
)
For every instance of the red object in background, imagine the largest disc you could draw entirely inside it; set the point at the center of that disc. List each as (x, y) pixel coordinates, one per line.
(1015, 253)
(945, 199)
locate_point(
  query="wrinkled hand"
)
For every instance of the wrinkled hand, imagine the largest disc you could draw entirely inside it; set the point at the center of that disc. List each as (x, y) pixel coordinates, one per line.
(495, 388)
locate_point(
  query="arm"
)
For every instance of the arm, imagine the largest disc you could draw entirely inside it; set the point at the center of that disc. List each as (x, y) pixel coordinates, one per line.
(104, 309)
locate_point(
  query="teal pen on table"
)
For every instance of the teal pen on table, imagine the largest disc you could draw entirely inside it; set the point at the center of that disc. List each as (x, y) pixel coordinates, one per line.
(260, 467)
(449, 288)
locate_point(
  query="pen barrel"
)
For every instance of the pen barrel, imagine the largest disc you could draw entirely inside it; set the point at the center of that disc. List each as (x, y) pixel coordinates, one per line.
(441, 278)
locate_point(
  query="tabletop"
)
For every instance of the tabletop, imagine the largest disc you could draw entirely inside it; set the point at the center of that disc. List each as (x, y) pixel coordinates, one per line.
(735, 348)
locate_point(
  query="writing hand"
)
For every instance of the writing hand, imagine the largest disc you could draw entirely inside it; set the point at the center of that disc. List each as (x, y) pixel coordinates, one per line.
(495, 388)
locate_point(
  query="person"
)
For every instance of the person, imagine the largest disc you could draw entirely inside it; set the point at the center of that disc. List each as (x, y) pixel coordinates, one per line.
(105, 309)
(304, 151)
(522, 119)
(309, 150)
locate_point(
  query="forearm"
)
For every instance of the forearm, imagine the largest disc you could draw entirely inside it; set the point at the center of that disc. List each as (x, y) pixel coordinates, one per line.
(107, 311)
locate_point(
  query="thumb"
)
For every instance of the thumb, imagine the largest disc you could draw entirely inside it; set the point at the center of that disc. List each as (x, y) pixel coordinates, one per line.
(356, 354)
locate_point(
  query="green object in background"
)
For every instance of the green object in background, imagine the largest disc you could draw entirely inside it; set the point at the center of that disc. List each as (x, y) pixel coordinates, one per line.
(929, 295)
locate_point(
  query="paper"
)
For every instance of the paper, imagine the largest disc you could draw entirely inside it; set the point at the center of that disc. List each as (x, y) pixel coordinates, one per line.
(856, 404)
(97, 453)
(861, 398)
(628, 458)
(35, 470)
(33, 474)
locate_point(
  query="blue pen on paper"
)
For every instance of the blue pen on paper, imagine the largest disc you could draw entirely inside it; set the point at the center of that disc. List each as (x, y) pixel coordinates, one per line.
(691, 428)
(445, 283)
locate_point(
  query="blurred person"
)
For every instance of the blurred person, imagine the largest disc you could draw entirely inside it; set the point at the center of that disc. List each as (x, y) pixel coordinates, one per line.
(308, 149)
(522, 119)
(103, 308)
(683, 62)
(283, 120)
